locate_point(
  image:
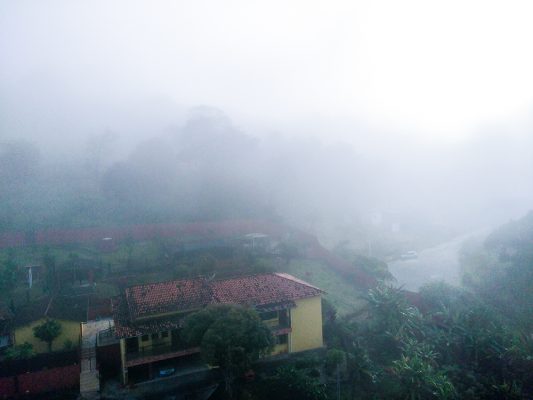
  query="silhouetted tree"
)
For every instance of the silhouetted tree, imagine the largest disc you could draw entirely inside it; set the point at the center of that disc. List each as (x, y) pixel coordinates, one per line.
(48, 331)
(229, 336)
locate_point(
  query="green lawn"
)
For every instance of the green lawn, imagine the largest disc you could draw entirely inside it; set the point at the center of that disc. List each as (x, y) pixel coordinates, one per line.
(339, 292)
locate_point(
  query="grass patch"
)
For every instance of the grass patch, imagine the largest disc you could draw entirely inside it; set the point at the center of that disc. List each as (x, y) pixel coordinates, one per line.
(344, 296)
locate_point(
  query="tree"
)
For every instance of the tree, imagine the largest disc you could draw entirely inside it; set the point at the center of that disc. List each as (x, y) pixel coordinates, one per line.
(419, 379)
(334, 359)
(229, 336)
(49, 262)
(9, 276)
(48, 331)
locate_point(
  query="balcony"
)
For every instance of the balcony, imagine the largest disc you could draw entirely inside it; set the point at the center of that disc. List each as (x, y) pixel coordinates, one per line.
(278, 327)
(148, 354)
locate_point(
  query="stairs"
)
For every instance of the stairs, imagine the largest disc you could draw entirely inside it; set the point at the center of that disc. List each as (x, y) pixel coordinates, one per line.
(89, 376)
(89, 384)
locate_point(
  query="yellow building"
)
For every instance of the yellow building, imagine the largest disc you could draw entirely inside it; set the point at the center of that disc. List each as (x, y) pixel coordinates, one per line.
(68, 311)
(148, 318)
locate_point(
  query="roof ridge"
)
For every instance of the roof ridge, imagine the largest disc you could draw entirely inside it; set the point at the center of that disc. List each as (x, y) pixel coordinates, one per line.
(297, 280)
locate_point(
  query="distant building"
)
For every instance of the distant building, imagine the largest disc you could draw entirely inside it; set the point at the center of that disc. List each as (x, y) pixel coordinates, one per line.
(257, 241)
(148, 318)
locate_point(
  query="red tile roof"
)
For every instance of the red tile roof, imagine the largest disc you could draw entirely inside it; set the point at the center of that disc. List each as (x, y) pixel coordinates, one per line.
(262, 289)
(159, 298)
(192, 294)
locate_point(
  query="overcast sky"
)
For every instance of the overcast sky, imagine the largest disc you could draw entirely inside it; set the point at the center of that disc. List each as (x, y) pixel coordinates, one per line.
(439, 71)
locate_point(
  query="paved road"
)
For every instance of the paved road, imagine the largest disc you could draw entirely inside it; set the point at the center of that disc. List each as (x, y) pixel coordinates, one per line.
(439, 263)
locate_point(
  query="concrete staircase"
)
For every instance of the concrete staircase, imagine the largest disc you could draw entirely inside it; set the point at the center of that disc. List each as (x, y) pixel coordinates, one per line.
(89, 376)
(89, 385)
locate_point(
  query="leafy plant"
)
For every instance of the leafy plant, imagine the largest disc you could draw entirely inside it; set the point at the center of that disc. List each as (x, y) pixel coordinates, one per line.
(230, 337)
(20, 352)
(48, 331)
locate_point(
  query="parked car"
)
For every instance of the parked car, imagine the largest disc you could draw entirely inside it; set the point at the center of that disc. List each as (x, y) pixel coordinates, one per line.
(410, 255)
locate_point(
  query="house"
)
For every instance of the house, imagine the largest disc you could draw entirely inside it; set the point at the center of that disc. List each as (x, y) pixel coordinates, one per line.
(148, 318)
(68, 311)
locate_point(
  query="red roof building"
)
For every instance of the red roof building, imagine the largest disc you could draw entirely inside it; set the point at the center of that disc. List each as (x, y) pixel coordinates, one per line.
(148, 318)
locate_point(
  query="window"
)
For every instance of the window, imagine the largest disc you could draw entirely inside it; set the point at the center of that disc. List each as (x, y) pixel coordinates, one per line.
(164, 334)
(155, 336)
(269, 315)
(284, 318)
(282, 339)
(144, 338)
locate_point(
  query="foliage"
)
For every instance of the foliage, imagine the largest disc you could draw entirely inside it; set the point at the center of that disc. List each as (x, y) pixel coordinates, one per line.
(290, 383)
(342, 295)
(460, 347)
(420, 380)
(371, 265)
(204, 264)
(334, 359)
(49, 262)
(289, 249)
(20, 352)
(8, 275)
(499, 270)
(391, 319)
(48, 331)
(229, 336)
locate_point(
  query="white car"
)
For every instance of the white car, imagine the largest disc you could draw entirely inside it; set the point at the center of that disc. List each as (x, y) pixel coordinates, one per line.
(410, 255)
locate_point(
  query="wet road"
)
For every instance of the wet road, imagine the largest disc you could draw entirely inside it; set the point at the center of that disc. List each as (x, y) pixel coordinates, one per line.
(439, 263)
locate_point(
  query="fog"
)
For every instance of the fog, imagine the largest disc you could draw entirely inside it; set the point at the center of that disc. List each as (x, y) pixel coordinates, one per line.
(337, 118)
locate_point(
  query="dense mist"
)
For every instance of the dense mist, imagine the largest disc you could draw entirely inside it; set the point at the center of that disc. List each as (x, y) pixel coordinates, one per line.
(210, 168)
(126, 113)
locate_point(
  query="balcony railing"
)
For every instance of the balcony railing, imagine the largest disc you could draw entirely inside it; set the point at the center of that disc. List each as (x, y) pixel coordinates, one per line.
(159, 351)
(107, 337)
(278, 327)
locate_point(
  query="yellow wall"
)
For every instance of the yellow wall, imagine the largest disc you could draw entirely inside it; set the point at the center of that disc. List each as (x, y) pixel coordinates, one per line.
(123, 361)
(70, 330)
(306, 323)
(156, 342)
(279, 349)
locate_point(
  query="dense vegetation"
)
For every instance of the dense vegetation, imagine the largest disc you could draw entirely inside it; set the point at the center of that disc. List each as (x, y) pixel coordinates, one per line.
(500, 270)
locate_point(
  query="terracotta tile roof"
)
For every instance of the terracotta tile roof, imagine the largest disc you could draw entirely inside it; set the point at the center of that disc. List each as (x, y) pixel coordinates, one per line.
(279, 290)
(158, 298)
(257, 290)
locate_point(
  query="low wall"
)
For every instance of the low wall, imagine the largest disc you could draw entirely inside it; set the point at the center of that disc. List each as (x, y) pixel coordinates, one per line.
(8, 387)
(35, 383)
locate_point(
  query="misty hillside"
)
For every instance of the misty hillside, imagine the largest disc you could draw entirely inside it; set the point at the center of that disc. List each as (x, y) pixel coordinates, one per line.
(209, 169)
(500, 268)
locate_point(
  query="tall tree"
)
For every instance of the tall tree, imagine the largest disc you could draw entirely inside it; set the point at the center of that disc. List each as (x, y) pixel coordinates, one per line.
(229, 336)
